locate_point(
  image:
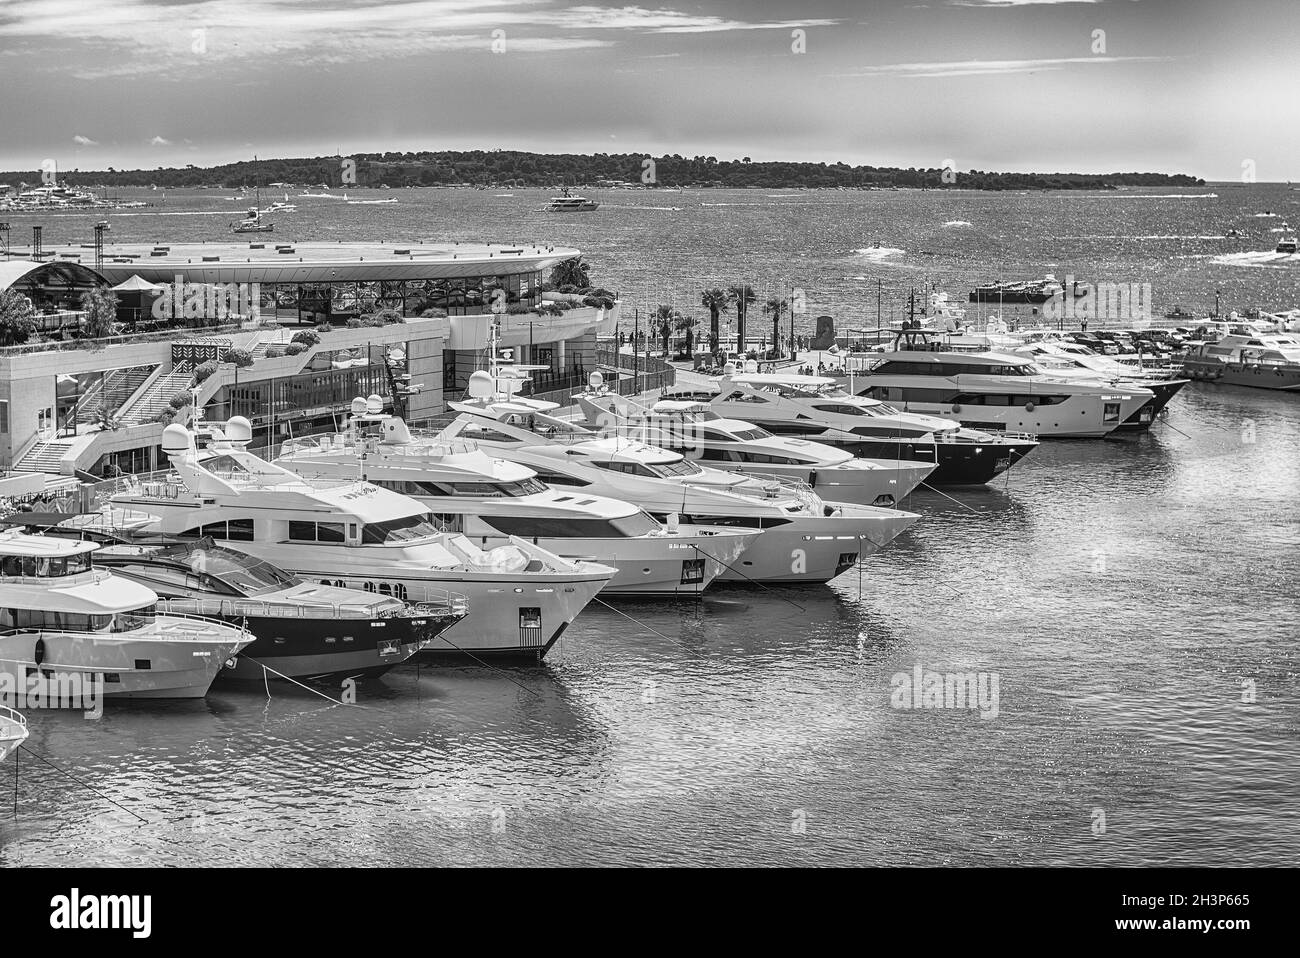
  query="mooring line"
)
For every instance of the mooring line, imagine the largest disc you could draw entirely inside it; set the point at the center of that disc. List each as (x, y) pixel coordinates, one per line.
(80, 782)
(266, 668)
(755, 581)
(633, 618)
(488, 665)
(958, 501)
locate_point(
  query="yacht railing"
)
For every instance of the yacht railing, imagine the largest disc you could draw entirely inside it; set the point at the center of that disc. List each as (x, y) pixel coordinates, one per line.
(134, 634)
(15, 726)
(786, 487)
(225, 608)
(340, 444)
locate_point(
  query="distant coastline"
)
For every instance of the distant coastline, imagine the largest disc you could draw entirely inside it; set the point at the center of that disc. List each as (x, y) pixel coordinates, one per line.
(509, 168)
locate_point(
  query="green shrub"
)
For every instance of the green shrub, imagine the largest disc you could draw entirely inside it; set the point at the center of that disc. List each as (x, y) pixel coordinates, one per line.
(180, 401)
(239, 357)
(204, 370)
(275, 352)
(307, 337)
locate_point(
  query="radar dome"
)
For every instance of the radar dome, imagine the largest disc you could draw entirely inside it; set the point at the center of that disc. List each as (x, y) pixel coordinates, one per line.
(480, 384)
(374, 405)
(359, 406)
(751, 365)
(595, 380)
(239, 429)
(395, 431)
(729, 369)
(175, 439)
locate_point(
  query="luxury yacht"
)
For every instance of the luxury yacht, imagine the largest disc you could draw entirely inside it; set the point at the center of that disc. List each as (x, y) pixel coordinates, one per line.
(571, 202)
(1075, 361)
(67, 621)
(732, 445)
(353, 534)
(490, 499)
(303, 630)
(804, 540)
(1261, 360)
(997, 391)
(13, 731)
(819, 408)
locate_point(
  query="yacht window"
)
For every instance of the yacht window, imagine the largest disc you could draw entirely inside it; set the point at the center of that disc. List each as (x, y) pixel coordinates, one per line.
(558, 478)
(751, 434)
(560, 527)
(302, 531)
(227, 467)
(51, 567)
(405, 529)
(681, 467)
(839, 408)
(238, 530)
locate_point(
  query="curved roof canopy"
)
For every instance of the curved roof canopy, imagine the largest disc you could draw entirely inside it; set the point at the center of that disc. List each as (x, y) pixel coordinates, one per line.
(29, 273)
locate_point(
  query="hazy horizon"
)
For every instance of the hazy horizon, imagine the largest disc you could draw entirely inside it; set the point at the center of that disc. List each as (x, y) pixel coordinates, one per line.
(1037, 86)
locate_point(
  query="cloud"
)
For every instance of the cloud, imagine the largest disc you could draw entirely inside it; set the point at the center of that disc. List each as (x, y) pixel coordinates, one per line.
(84, 141)
(958, 68)
(162, 37)
(160, 141)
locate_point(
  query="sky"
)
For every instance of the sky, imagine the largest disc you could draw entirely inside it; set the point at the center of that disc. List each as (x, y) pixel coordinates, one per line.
(1206, 87)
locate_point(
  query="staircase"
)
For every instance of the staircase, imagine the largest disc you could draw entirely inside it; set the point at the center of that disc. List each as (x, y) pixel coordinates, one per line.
(158, 396)
(111, 391)
(44, 456)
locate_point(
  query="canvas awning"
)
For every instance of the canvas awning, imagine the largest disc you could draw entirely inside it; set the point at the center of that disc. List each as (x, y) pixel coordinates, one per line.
(136, 285)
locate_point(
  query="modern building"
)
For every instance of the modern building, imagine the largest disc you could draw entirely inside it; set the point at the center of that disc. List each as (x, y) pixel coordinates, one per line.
(407, 321)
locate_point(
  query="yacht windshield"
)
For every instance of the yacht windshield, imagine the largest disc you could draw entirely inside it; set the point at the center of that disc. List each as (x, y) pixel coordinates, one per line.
(755, 433)
(253, 578)
(405, 529)
(665, 470)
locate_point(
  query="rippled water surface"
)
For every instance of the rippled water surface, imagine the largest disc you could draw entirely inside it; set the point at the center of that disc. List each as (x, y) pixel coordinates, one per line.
(1121, 591)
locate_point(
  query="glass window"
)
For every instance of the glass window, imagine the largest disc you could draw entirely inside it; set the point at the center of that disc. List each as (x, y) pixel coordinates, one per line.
(405, 529)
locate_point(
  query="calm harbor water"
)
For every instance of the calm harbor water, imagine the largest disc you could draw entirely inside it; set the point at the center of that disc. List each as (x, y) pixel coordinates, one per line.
(1121, 591)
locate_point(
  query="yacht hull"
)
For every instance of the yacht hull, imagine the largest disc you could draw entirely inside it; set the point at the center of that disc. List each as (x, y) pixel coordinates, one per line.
(518, 618)
(1164, 390)
(332, 648)
(682, 564)
(130, 667)
(809, 550)
(1285, 378)
(885, 486)
(959, 463)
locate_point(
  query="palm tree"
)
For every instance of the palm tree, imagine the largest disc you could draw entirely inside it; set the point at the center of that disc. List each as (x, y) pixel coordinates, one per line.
(571, 272)
(742, 296)
(100, 306)
(715, 301)
(665, 318)
(777, 307)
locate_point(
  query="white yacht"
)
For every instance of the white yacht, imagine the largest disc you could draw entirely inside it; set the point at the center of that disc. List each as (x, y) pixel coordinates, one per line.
(13, 731)
(804, 540)
(1076, 361)
(490, 499)
(997, 391)
(353, 534)
(1260, 360)
(732, 445)
(571, 203)
(67, 622)
(819, 408)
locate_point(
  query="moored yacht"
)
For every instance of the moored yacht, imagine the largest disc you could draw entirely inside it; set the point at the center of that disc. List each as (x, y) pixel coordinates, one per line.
(303, 630)
(732, 445)
(68, 623)
(819, 408)
(1076, 361)
(13, 731)
(489, 499)
(1261, 360)
(805, 539)
(353, 534)
(997, 391)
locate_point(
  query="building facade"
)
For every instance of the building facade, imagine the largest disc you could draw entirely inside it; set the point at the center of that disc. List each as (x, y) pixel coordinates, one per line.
(321, 322)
